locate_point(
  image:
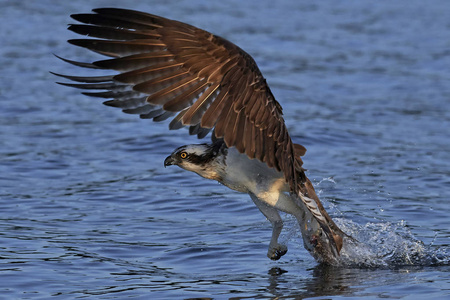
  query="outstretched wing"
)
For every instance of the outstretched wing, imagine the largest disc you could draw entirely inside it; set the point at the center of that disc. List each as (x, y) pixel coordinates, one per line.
(171, 69)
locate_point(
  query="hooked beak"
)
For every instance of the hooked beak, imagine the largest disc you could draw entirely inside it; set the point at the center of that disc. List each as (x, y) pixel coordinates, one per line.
(169, 161)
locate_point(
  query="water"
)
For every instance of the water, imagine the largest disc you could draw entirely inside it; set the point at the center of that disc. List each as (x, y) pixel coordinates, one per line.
(87, 209)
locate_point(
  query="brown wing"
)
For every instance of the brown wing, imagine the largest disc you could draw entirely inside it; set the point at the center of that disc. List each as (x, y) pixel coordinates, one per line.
(168, 68)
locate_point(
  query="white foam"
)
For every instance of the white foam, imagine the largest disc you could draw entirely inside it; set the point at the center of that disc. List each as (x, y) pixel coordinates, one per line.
(387, 245)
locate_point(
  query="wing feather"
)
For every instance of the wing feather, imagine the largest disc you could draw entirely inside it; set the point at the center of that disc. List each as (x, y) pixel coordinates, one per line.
(196, 111)
(111, 33)
(165, 94)
(240, 131)
(186, 99)
(145, 74)
(223, 118)
(127, 103)
(133, 62)
(119, 48)
(209, 119)
(159, 83)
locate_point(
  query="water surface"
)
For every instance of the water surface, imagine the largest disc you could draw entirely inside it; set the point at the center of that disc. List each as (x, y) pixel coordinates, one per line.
(87, 209)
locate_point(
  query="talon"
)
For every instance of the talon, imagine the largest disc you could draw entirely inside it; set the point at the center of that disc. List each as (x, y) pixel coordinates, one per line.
(277, 253)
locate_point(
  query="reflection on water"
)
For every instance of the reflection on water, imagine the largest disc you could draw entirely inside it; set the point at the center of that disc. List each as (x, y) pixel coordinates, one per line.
(329, 281)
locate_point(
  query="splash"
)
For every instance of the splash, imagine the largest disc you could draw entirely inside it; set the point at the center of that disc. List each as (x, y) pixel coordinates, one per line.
(386, 245)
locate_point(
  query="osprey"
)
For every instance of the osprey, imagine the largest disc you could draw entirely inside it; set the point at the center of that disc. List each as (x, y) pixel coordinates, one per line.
(168, 69)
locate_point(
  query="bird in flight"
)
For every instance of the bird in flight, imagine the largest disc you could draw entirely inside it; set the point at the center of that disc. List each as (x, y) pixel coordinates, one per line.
(171, 70)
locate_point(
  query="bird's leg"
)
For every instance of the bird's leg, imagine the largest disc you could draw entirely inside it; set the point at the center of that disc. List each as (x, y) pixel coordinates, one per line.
(276, 250)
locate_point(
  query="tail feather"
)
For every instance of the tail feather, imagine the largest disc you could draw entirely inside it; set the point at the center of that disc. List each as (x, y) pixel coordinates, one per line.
(309, 198)
(334, 239)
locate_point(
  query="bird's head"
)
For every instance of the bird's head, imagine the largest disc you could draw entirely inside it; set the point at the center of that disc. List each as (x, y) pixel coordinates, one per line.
(200, 158)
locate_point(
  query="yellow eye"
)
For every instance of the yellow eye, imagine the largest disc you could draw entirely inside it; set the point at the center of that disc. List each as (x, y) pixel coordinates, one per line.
(183, 154)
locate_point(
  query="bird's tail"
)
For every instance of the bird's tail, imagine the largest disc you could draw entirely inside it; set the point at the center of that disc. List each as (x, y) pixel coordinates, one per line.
(322, 237)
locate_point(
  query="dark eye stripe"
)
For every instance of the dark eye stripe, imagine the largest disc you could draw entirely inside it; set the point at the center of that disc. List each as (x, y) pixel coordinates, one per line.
(198, 159)
(210, 153)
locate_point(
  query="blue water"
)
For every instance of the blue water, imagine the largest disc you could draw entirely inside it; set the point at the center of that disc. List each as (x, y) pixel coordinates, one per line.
(88, 211)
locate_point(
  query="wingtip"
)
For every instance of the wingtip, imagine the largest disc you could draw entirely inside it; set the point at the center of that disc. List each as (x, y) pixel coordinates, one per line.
(78, 63)
(100, 10)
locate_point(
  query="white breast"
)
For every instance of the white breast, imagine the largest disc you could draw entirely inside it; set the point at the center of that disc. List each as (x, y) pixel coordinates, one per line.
(250, 175)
